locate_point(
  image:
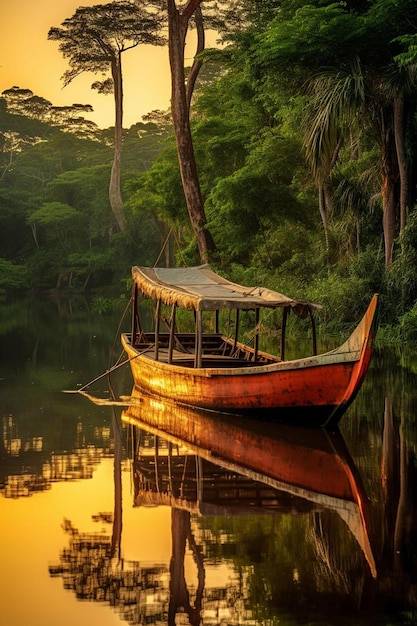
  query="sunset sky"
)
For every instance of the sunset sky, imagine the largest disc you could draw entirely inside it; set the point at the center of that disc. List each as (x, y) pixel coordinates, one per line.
(28, 60)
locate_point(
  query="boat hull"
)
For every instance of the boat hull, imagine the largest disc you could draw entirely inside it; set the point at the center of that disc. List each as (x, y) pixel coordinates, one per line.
(314, 391)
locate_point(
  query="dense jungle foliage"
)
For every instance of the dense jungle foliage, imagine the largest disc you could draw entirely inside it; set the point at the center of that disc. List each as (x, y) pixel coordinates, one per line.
(304, 125)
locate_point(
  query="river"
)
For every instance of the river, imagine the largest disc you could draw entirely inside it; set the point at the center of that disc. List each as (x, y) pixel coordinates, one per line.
(107, 518)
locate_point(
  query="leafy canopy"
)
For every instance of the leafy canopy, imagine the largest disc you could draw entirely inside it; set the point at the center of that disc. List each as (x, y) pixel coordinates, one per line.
(94, 36)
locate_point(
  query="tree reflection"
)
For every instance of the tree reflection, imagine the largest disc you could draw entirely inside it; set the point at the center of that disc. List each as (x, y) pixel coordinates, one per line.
(287, 558)
(28, 465)
(399, 513)
(87, 567)
(281, 562)
(116, 541)
(179, 592)
(338, 570)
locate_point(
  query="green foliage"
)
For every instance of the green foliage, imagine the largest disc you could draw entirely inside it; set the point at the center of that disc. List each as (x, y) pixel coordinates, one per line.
(12, 277)
(409, 56)
(55, 214)
(219, 142)
(408, 325)
(27, 128)
(44, 268)
(259, 171)
(402, 276)
(308, 36)
(344, 300)
(55, 217)
(25, 106)
(94, 37)
(85, 189)
(142, 145)
(160, 191)
(249, 210)
(103, 305)
(369, 266)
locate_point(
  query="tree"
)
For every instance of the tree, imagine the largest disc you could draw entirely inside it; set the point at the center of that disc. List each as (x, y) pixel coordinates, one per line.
(354, 85)
(70, 226)
(178, 23)
(93, 40)
(23, 102)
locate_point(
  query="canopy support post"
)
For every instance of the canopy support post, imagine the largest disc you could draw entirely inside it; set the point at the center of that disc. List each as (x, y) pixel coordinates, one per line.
(198, 339)
(283, 330)
(157, 321)
(236, 334)
(134, 313)
(256, 340)
(172, 333)
(313, 330)
(216, 321)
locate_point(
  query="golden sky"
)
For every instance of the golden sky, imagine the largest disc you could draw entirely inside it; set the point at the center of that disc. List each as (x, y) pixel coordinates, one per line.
(28, 60)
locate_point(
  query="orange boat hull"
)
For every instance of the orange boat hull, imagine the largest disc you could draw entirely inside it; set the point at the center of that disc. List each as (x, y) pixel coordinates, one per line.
(315, 390)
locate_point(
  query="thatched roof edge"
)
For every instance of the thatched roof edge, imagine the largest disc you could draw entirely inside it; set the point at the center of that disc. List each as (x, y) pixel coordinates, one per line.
(201, 289)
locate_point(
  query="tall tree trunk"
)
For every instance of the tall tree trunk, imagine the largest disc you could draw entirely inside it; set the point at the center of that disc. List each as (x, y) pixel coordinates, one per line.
(115, 196)
(178, 27)
(325, 191)
(197, 63)
(323, 215)
(390, 184)
(402, 161)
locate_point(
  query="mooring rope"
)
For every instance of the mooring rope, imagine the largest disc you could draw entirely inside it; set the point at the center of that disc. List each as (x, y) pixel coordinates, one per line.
(106, 373)
(118, 364)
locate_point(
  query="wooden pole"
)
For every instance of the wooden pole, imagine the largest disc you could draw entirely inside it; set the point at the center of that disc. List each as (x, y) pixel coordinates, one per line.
(199, 339)
(172, 333)
(236, 330)
(256, 340)
(157, 321)
(283, 329)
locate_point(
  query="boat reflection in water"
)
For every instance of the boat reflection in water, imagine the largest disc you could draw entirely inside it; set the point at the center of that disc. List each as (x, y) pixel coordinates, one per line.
(231, 484)
(213, 464)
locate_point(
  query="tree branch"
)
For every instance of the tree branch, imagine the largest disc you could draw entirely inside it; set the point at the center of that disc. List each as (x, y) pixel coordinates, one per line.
(190, 8)
(197, 63)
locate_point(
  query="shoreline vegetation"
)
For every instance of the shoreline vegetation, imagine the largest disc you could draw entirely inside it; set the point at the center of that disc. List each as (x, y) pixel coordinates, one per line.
(304, 128)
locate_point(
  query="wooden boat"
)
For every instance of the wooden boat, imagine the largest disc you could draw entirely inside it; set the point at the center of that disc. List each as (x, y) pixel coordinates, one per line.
(311, 468)
(213, 369)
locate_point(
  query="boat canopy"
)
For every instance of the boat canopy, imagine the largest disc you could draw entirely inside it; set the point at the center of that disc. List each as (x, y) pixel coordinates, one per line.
(201, 289)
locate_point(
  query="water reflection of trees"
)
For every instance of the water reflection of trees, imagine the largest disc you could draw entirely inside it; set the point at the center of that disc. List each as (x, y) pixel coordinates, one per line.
(150, 593)
(88, 567)
(399, 508)
(338, 570)
(281, 563)
(317, 562)
(270, 564)
(48, 345)
(93, 568)
(385, 450)
(29, 464)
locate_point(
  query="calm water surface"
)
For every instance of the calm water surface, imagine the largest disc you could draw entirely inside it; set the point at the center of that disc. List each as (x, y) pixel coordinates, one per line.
(123, 514)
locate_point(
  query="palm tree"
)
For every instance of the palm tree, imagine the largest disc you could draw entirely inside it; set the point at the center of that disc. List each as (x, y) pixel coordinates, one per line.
(336, 98)
(346, 101)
